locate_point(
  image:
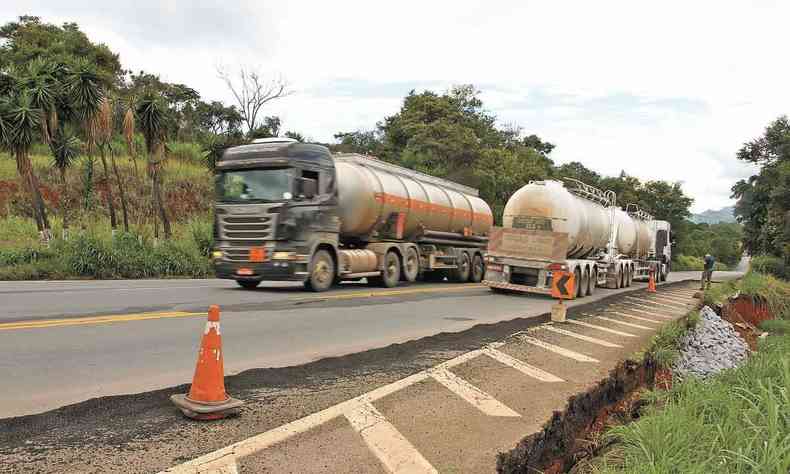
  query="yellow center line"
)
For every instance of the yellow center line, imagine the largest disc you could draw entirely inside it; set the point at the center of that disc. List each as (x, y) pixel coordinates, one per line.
(49, 323)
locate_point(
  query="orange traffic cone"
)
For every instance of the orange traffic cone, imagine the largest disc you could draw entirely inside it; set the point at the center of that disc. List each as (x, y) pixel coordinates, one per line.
(207, 399)
(651, 283)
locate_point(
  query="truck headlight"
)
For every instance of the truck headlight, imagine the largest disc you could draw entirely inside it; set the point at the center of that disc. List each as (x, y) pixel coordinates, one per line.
(284, 256)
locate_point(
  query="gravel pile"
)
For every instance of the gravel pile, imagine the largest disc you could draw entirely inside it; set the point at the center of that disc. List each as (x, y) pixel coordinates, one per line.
(710, 347)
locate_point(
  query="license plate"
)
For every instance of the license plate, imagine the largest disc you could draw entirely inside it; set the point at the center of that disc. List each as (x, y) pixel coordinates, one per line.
(257, 254)
(244, 271)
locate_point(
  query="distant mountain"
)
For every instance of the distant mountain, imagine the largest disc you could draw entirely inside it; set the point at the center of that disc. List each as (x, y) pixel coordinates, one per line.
(710, 216)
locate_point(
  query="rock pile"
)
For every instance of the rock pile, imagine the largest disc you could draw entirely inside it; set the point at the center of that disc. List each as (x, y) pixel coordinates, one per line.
(710, 347)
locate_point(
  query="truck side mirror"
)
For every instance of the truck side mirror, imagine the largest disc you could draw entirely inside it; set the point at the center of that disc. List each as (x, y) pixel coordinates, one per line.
(309, 188)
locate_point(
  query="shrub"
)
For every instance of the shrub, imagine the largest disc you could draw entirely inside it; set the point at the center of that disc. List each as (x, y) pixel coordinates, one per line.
(692, 263)
(187, 152)
(770, 265)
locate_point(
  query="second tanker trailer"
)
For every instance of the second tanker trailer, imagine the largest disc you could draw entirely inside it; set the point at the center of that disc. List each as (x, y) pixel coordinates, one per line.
(290, 211)
(549, 227)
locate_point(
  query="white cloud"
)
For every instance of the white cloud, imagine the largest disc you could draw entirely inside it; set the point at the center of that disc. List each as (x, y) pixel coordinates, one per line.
(666, 90)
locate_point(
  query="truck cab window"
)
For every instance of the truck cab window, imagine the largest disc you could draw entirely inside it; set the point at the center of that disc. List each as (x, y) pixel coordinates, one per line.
(308, 174)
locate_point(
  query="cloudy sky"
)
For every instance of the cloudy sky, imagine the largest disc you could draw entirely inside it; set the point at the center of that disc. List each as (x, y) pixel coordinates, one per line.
(668, 90)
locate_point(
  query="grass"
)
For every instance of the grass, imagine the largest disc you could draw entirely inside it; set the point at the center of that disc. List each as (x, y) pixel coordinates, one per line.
(774, 291)
(688, 263)
(736, 422)
(664, 347)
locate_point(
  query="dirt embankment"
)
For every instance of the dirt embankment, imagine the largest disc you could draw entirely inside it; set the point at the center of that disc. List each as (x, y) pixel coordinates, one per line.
(574, 436)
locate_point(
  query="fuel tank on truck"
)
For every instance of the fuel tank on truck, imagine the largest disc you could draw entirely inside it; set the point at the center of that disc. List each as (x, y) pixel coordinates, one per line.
(633, 235)
(548, 205)
(371, 190)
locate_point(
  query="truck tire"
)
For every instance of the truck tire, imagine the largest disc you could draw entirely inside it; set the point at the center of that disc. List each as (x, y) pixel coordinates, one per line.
(585, 283)
(577, 283)
(390, 275)
(461, 273)
(411, 265)
(593, 282)
(322, 272)
(478, 269)
(248, 284)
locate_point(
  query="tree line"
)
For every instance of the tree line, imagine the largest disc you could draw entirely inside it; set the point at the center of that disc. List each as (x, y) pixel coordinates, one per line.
(59, 88)
(763, 200)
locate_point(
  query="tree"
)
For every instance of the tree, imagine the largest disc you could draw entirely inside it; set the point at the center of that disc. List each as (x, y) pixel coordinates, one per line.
(30, 39)
(365, 142)
(763, 204)
(269, 128)
(577, 171)
(21, 122)
(296, 136)
(153, 121)
(252, 92)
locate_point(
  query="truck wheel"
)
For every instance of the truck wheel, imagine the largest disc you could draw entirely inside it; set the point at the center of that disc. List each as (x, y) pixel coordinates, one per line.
(630, 276)
(585, 283)
(593, 282)
(390, 275)
(460, 274)
(578, 283)
(411, 265)
(248, 284)
(618, 282)
(323, 272)
(478, 269)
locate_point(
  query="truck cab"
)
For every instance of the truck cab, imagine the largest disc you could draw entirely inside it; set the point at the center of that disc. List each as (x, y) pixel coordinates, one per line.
(276, 203)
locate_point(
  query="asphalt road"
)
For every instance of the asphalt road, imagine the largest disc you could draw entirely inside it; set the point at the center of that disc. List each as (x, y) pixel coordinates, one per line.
(65, 342)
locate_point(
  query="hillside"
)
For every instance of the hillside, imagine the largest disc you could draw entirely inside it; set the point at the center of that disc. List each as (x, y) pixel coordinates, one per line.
(711, 216)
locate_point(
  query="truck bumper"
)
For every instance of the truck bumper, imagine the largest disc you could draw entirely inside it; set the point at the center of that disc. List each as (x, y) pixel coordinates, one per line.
(269, 270)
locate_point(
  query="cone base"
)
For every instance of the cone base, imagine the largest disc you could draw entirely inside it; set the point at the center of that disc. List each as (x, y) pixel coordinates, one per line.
(206, 410)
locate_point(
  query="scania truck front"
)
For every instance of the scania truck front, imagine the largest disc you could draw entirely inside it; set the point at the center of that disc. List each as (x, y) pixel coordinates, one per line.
(289, 211)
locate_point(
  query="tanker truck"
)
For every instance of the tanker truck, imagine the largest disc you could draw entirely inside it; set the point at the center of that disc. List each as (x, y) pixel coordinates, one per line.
(289, 211)
(548, 226)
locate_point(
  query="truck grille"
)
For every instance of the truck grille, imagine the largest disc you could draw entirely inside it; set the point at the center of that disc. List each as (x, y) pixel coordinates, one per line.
(243, 232)
(247, 227)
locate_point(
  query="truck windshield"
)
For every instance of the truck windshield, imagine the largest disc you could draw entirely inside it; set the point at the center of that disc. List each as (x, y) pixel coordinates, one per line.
(271, 184)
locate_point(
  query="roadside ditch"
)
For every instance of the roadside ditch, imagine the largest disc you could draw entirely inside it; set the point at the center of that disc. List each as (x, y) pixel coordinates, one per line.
(702, 343)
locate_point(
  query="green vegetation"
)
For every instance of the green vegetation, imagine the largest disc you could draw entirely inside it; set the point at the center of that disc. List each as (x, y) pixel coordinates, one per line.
(692, 263)
(770, 265)
(735, 422)
(664, 347)
(764, 199)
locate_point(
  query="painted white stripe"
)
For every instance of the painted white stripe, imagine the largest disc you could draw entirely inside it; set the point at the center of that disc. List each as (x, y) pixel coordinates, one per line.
(581, 337)
(630, 325)
(638, 318)
(599, 328)
(676, 299)
(657, 309)
(522, 367)
(642, 300)
(230, 468)
(476, 397)
(649, 313)
(556, 349)
(387, 444)
(669, 301)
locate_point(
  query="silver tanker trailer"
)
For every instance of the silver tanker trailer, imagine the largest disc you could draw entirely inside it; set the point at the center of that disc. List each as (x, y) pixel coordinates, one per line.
(548, 227)
(291, 211)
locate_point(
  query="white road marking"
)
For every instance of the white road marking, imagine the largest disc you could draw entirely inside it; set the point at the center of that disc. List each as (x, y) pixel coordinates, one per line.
(581, 337)
(638, 318)
(476, 397)
(676, 299)
(226, 468)
(387, 444)
(675, 307)
(599, 328)
(522, 367)
(556, 349)
(676, 313)
(630, 325)
(649, 313)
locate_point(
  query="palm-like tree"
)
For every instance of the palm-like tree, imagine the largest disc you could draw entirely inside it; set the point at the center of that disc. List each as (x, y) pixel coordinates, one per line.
(95, 113)
(65, 149)
(24, 122)
(21, 123)
(152, 116)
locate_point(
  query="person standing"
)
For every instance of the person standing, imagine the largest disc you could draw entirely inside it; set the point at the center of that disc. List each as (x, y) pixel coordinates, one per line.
(707, 272)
